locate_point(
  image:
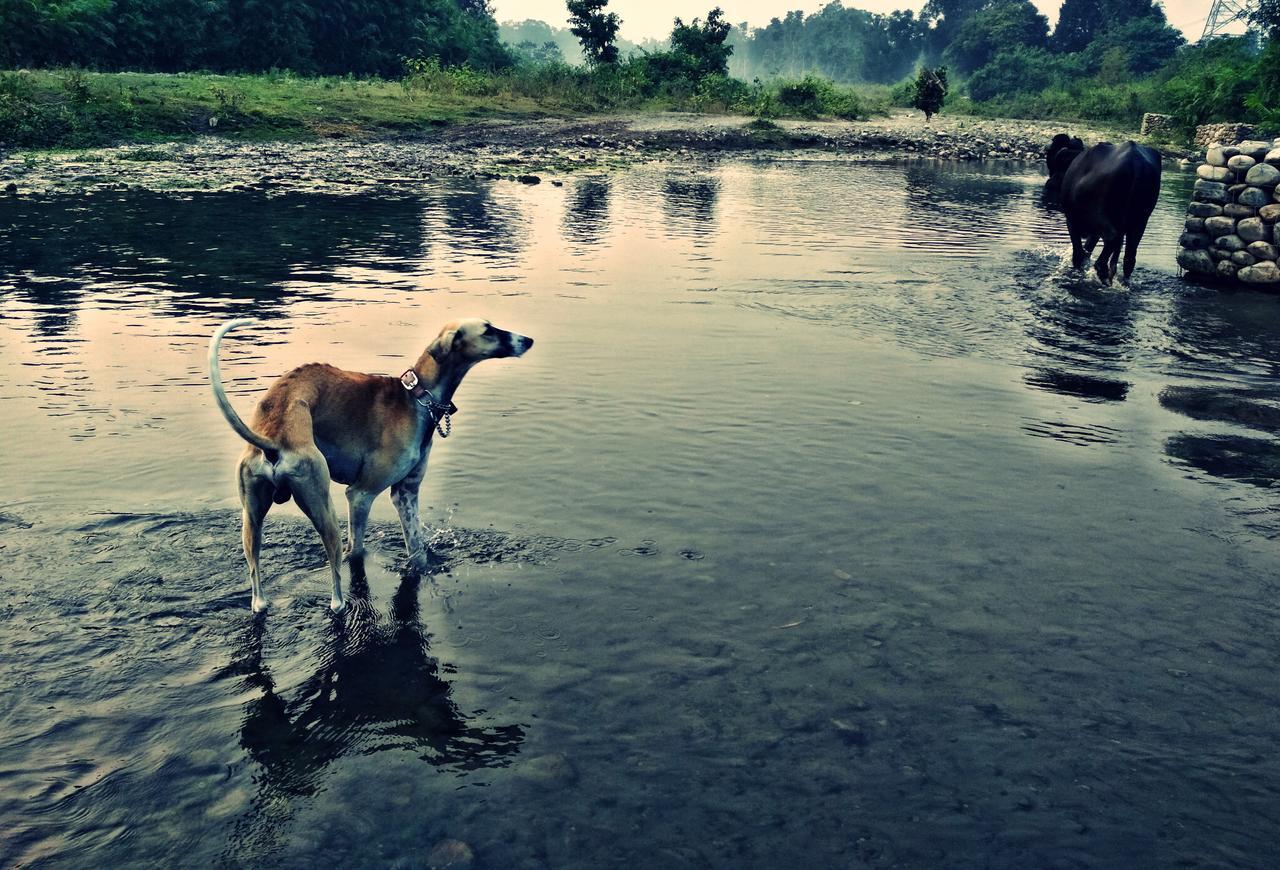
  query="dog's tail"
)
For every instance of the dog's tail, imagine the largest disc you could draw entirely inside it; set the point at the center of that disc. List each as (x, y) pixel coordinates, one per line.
(266, 445)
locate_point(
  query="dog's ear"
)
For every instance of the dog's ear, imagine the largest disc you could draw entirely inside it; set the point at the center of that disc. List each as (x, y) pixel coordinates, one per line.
(444, 342)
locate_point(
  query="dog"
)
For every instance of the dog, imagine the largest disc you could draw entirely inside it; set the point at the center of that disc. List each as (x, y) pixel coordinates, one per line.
(318, 423)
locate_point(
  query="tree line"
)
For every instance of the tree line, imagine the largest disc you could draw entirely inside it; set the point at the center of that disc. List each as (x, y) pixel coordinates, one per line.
(327, 37)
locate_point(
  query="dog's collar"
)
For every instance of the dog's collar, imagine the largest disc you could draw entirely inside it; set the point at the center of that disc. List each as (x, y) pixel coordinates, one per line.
(441, 413)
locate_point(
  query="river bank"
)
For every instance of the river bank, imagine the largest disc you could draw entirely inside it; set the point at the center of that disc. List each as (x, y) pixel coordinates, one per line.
(529, 150)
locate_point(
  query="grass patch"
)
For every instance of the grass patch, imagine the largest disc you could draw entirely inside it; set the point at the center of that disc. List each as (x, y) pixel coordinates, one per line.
(76, 109)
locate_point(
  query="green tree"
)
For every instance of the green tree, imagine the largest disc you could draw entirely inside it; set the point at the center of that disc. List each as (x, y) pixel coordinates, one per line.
(930, 91)
(595, 29)
(1003, 26)
(945, 18)
(703, 44)
(1019, 70)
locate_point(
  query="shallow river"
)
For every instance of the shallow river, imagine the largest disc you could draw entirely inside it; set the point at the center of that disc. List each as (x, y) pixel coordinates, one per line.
(832, 522)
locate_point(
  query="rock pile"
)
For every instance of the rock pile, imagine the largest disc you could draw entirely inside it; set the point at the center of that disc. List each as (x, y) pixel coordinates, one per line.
(1231, 231)
(1207, 134)
(1157, 126)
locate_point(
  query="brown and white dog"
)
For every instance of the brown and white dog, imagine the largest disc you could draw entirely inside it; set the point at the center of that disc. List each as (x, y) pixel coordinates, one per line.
(318, 423)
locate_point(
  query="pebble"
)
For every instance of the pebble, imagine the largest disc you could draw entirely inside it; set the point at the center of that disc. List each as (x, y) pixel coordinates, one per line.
(1264, 250)
(553, 767)
(1265, 272)
(1214, 173)
(1194, 225)
(1236, 210)
(1231, 243)
(1227, 269)
(1254, 196)
(1240, 163)
(1193, 241)
(1253, 230)
(451, 855)
(1219, 226)
(1204, 209)
(1263, 175)
(1270, 213)
(1210, 191)
(1196, 261)
(1243, 258)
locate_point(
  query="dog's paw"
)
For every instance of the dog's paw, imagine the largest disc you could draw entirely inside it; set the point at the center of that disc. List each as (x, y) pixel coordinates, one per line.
(338, 606)
(259, 605)
(349, 554)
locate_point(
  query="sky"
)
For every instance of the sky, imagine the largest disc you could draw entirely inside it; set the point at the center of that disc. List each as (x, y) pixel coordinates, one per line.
(642, 19)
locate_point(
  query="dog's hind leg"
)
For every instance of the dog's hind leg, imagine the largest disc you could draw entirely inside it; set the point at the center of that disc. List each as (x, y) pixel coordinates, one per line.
(255, 499)
(309, 481)
(358, 503)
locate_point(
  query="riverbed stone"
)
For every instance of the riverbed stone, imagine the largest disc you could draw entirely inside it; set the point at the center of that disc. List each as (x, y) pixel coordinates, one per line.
(1254, 196)
(1253, 230)
(1204, 209)
(1220, 253)
(1264, 250)
(1226, 269)
(451, 855)
(1210, 191)
(1214, 173)
(1215, 157)
(1196, 261)
(1237, 211)
(1255, 148)
(1273, 157)
(1265, 272)
(1230, 243)
(1263, 175)
(1194, 241)
(1270, 213)
(1240, 163)
(1243, 258)
(1194, 225)
(1220, 226)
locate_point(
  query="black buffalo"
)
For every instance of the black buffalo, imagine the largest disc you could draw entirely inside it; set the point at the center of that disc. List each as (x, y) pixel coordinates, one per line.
(1107, 192)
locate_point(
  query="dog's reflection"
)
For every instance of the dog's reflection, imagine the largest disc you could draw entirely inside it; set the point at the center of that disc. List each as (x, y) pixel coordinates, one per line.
(376, 689)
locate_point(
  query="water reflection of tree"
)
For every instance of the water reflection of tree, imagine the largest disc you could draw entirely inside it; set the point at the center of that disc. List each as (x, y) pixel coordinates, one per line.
(477, 226)
(376, 689)
(937, 192)
(233, 253)
(689, 204)
(586, 215)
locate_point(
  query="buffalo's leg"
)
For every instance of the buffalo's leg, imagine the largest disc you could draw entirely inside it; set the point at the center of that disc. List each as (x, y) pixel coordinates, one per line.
(1105, 265)
(1079, 256)
(1131, 241)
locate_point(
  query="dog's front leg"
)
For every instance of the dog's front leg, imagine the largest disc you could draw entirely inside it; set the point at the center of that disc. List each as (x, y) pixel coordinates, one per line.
(358, 503)
(404, 495)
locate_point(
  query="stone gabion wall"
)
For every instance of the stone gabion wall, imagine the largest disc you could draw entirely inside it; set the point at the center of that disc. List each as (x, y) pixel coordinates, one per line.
(1156, 125)
(1207, 134)
(1231, 230)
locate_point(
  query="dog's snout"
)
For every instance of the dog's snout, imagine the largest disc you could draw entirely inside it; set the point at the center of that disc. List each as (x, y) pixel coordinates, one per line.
(520, 344)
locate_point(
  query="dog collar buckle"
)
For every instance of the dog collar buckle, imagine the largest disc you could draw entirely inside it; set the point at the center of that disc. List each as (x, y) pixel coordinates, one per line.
(409, 380)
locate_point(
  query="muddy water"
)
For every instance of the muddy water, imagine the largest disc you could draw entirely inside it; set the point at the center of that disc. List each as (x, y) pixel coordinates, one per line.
(831, 522)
